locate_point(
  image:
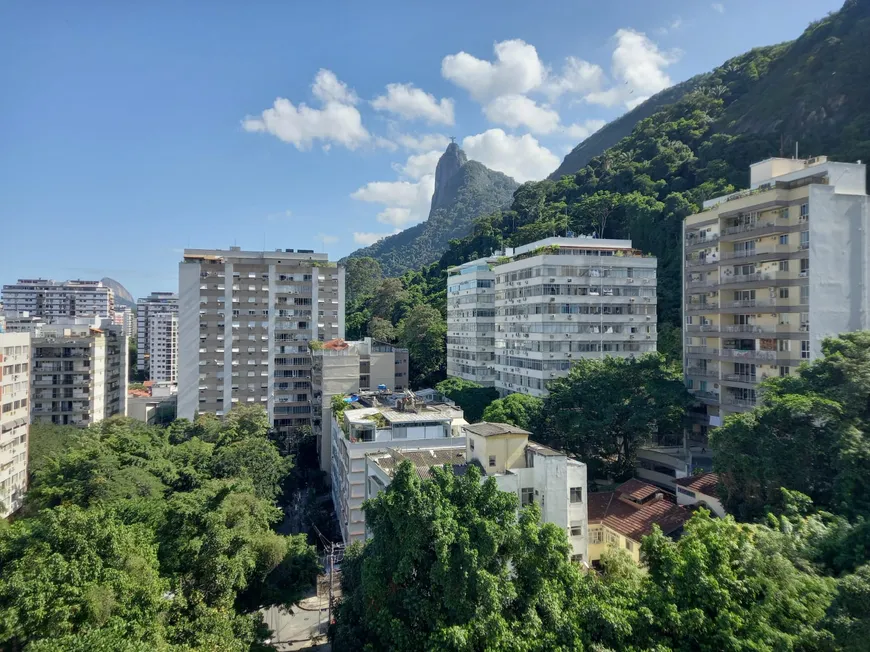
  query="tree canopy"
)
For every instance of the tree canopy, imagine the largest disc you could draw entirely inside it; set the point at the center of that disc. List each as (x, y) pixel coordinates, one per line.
(471, 397)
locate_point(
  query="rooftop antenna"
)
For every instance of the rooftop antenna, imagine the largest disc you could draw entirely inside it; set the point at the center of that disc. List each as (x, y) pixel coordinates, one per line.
(796, 149)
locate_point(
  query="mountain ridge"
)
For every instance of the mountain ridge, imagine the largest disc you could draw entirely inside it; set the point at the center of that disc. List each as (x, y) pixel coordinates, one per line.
(464, 191)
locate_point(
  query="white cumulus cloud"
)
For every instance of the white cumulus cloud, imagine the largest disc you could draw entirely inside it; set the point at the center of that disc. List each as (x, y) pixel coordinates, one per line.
(638, 68)
(366, 238)
(520, 157)
(584, 129)
(422, 142)
(577, 76)
(405, 202)
(411, 103)
(337, 122)
(521, 111)
(517, 69)
(328, 88)
(419, 165)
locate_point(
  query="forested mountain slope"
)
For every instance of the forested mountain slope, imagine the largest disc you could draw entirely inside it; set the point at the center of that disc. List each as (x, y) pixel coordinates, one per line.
(464, 190)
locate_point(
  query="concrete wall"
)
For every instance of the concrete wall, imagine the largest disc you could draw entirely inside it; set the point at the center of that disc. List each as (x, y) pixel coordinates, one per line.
(839, 264)
(507, 449)
(382, 370)
(188, 338)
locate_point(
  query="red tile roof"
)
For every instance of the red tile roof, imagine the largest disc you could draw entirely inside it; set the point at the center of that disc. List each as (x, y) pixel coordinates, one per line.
(633, 520)
(705, 483)
(637, 489)
(337, 344)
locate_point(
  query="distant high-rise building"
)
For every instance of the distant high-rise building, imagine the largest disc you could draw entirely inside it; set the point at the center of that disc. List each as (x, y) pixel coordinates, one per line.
(163, 347)
(54, 300)
(245, 321)
(14, 419)
(155, 303)
(124, 318)
(769, 273)
(518, 321)
(79, 372)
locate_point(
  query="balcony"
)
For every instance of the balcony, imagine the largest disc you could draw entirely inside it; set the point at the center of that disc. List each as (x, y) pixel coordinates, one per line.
(740, 378)
(756, 229)
(693, 262)
(702, 372)
(703, 351)
(757, 251)
(705, 396)
(751, 354)
(741, 403)
(702, 328)
(706, 283)
(693, 306)
(693, 241)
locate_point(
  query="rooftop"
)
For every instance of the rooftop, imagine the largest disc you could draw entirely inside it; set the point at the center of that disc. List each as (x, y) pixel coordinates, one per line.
(617, 511)
(486, 429)
(705, 483)
(423, 460)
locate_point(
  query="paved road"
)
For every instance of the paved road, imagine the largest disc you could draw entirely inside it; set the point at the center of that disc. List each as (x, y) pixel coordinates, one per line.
(303, 629)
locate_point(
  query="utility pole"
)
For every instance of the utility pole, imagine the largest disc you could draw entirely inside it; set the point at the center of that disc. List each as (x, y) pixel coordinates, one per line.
(331, 562)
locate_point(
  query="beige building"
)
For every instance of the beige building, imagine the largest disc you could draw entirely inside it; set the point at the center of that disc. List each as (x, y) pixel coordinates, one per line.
(769, 273)
(244, 323)
(155, 303)
(14, 419)
(554, 301)
(342, 368)
(54, 300)
(79, 373)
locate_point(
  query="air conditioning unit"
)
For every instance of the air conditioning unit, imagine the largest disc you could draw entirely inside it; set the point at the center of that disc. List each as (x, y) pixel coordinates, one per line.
(629, 280)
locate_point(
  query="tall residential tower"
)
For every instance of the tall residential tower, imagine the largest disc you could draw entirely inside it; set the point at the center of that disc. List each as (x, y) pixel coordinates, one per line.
(157, 303)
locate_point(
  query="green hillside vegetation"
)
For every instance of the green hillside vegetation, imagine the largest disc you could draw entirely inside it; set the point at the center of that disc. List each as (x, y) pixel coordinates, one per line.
(474, 190)
(813, 90)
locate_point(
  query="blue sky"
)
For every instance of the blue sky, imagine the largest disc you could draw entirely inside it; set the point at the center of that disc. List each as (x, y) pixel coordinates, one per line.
(128, 133)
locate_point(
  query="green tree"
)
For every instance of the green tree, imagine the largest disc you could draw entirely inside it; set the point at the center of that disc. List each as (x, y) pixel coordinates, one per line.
(424, 334)
(71, 570)
(471, 397)
(254, 459)
(387, 295)
(520, 410)
(605, 409)
(382, 330)
(362, 277)
(247, 421)
(451, 567)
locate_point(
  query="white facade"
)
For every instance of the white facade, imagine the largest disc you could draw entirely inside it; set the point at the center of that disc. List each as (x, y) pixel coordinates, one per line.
(471, 322)
(163, 347)
(14, 419)
(79, 372)
(244, 322)
(430, 426)
(771, 272)
(560, 299)
(124, 318)
(53, 300)
(154, 304)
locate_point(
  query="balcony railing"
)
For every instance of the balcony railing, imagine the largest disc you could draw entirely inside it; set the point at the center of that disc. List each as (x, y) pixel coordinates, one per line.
(703, 307)
(709, 238)
(706, 283)
(709, 396)
(701, 262)
(741, 378)
(748, 354)
(748, 253)
(742, 403)
(754, 226)
(701, 372)
(701, 350)
(702, 328)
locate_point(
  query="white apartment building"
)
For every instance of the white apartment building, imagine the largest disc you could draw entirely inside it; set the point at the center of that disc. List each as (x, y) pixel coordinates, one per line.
(163, 347)
(79, 372)
(342, 368)
(124, 318)
(376, 423)
(146, 307)
(556, 300)
(471, 321)
(14, 419)
(769, 273)
(532, 472)
(54, 300)
(244, 323)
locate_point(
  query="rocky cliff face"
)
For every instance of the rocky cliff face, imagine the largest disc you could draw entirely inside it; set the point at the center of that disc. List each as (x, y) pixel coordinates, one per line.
(448, 165)
(122, 295)
(464, 190)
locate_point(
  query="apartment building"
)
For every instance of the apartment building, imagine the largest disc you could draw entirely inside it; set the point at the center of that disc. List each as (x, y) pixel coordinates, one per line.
(377, 422)
(342, 368)
(14, 419)
(245, 319)
(163, 347)
(471, 321)
(154, 304)
(555, 300)
(769, 273)
(79, 371)
(54, 300)
(123, 317)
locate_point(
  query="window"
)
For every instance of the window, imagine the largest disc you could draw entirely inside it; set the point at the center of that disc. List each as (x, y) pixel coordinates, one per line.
(612, 538)
(784, 371)
(576, 494)
(596, 536)
(629, 545)
(783, 239)
(805, 293)
(492, 460)
(805, 349)
(783, 266)
(805, 239)
(578, 559)
(805, 266)
(784, 345)
(783, 293)
(576, 530)
(471, 442)
(527, 496)
(805, 212)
